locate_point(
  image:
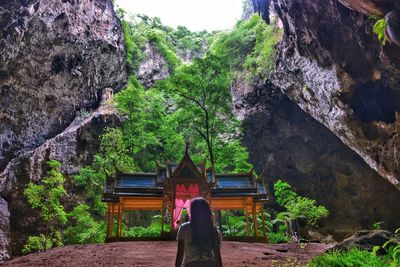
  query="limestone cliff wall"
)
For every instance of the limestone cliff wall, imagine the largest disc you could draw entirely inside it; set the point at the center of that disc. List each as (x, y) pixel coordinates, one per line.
(331, 64)
(328, 119)
(57, 60)
(56, 57)
(286, 143)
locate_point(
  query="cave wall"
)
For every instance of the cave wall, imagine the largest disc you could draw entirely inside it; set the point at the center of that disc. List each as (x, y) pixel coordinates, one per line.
(56, 57)
(284, 142)
(331, 64)
(327, 121)
(60, 62)
(74, 148)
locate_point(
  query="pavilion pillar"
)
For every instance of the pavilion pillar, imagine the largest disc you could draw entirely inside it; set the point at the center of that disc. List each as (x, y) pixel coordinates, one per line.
(162, 218)
(247, 222)
(247, 216)
(110, 220)
(119, 228)
(263, 221)
(255, 223)
(171, 226)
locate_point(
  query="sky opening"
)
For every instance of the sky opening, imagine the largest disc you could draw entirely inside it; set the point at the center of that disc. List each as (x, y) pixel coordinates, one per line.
(196, 15)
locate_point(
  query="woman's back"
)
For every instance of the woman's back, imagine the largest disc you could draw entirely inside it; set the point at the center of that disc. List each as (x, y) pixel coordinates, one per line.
(191, 252)
(198, 240)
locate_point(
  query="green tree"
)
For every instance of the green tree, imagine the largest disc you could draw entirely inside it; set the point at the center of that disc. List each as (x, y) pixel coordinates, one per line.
(202, 91)
(46, 196)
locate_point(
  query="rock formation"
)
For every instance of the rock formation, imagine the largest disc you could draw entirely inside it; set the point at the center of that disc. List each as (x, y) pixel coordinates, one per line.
(152, 68)
(286, 143)
(368, 239)
(371, 7)
(328, 119)
(332, 65)
(74, 148)
(57, 60)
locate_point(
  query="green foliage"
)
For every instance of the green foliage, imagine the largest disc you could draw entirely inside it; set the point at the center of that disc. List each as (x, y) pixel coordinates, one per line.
(134, 53)
(297, 205)
(393, 251)
(379, 29)
(84, 228)
(284, 193)
(308, 208)
(192, 42)
(159, 39)
(234, 223)
(91, 180)
(153, 230)
(46, 196)
(278, 237)
(160, 119)
(377, 225)
(351, 258)
(232, 156)
(140, 30)
(360, 258)
(150, 133)
(42, 242)
(261, 62)
(203, 102)
(195, 101)
(250, 47)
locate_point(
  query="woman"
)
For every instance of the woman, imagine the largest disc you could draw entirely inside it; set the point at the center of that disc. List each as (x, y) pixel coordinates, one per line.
(198, 239)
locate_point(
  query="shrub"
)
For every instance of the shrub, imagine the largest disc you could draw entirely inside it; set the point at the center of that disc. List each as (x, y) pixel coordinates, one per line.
(377, 225)
(351, 258)
(279, 237)
(42, 242)
(393, 252)
(84, 228)
(153, 230)
(234, 223)
(46, 196)
(297, 205)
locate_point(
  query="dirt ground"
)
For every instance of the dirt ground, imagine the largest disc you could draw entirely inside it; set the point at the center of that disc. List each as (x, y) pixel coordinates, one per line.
(162, 254)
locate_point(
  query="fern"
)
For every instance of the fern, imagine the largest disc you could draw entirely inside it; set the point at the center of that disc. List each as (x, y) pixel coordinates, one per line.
(379, 30)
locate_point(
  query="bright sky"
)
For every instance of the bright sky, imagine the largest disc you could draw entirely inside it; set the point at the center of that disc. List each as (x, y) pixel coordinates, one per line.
(196, 15)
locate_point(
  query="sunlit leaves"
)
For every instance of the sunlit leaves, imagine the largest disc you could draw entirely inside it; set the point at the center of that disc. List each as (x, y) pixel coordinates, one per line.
(84, 228)
(47, 194)
(379, 29)
(298, 205)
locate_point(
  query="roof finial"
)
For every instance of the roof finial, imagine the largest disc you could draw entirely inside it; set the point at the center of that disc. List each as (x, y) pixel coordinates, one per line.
(187, 145)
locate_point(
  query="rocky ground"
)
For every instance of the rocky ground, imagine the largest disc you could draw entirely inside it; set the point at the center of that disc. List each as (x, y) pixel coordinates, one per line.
(162, 254)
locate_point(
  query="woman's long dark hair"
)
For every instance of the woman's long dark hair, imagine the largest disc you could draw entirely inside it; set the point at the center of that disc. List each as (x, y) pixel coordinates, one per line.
(204, 234)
